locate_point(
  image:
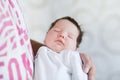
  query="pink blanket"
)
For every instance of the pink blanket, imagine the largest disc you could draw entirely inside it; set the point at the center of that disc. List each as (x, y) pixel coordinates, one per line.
(16, 59)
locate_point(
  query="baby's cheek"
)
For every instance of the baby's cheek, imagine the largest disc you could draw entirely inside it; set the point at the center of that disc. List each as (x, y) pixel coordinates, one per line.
(72, 45)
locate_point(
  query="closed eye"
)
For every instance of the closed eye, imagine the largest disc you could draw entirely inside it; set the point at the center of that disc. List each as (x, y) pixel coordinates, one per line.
(56, 30)
(70, 36)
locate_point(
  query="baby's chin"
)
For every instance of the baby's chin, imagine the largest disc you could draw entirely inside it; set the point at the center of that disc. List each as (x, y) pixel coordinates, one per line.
(58, 49)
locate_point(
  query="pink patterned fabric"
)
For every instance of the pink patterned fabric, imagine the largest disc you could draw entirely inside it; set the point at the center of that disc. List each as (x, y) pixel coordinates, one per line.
(16, 59)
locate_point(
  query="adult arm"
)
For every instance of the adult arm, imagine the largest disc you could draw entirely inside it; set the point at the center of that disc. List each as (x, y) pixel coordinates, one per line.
(35, 46)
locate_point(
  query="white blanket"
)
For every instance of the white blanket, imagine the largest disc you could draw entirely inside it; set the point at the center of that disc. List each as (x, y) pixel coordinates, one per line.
(50, 65)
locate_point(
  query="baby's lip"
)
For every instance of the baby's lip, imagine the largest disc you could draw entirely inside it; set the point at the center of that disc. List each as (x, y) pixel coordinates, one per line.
(60, 41)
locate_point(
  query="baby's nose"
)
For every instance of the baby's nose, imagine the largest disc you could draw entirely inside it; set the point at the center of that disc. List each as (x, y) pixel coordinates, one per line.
(63, 34)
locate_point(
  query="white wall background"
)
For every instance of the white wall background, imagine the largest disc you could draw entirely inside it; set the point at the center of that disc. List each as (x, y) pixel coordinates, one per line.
(100, 20)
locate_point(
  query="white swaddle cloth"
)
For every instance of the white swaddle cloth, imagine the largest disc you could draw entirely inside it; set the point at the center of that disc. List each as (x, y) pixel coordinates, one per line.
(50, 65)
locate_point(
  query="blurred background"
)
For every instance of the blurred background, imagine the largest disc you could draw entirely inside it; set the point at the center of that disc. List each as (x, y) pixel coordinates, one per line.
(99, 19)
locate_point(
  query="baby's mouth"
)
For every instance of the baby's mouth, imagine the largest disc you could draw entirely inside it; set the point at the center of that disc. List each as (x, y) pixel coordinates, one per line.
(60, 42)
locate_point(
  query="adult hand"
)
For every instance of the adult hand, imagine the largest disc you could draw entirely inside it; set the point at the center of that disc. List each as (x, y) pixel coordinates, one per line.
(88, 66)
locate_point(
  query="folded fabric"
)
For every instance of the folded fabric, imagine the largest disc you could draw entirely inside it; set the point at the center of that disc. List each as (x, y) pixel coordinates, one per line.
(50, 65)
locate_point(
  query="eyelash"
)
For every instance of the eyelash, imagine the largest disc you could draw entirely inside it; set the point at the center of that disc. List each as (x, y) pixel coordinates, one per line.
(70, 36)
(56, 30)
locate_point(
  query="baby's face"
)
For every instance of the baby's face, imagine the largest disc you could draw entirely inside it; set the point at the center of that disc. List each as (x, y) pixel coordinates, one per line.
(62, 36)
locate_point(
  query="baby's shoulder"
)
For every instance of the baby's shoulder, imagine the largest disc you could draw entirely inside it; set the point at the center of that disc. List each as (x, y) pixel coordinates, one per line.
(69, 53)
